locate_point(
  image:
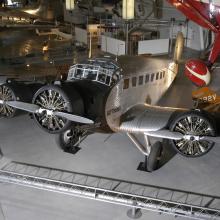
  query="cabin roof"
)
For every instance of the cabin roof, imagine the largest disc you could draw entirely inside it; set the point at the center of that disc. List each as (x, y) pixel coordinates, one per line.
(136, 65)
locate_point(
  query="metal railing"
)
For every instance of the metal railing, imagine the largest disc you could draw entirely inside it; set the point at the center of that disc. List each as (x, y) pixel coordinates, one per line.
(91, 72)
(134, 195)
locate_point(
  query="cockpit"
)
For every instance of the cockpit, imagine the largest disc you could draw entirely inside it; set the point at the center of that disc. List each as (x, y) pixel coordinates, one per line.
(101, 70)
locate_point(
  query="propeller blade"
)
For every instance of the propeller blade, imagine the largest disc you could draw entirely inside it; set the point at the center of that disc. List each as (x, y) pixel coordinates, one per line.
(166, 134)
(23, 106)
(74, 118)
(212, 139)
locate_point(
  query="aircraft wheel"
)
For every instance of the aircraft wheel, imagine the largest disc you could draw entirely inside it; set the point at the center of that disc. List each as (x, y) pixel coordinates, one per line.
(193, 125)
(152, 161)
(70, 140)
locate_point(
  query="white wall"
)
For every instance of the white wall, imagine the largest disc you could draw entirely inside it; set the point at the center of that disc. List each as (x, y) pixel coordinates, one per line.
(112, 45)
(154, 47)
(81, 35)
(195, 38)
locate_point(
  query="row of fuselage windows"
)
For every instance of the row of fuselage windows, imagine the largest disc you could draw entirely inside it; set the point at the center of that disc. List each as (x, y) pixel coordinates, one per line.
(143, 79)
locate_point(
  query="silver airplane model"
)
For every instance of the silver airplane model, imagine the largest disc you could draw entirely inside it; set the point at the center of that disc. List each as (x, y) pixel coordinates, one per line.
(102, 95)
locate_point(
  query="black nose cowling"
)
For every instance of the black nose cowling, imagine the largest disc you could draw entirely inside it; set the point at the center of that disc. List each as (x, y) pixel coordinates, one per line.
(57, 98)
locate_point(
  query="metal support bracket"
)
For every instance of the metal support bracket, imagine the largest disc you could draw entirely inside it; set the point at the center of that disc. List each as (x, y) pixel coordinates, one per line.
(134, 213)
(144, 150)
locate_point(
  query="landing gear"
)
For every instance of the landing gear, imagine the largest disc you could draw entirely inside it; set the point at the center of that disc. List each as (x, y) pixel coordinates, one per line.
(70, 139)
(156, 155)
(153, 159)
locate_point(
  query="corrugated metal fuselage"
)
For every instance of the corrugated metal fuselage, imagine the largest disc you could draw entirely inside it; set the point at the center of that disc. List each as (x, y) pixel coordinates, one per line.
(144, 81)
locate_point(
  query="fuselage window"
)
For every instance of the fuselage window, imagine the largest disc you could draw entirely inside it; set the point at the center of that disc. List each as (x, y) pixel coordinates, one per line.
(157, 75)
(161, 75)
(147, 78)
(134, 81)
(141, 80)
(152, 77)
(126, 84)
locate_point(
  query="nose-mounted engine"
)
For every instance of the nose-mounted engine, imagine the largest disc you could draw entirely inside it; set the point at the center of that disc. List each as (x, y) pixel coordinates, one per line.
(77, 101)
(53, 100)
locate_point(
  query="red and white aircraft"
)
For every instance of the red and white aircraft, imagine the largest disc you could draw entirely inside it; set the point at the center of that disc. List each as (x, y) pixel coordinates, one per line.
(205, 13)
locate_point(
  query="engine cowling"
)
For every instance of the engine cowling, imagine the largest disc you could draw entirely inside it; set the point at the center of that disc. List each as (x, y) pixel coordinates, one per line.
(62, 98)
(16, 91)
(193, 125)
(198, 72)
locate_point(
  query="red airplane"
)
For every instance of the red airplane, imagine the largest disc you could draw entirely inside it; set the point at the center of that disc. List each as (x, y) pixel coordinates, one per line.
(205, 13)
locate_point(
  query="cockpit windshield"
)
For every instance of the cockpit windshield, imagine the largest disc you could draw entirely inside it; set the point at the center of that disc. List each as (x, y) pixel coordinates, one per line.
(100, 70)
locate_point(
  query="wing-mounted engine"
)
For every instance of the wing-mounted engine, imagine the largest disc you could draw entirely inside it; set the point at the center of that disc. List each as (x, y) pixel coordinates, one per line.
(198, 129)
(15, 91)
(191, 133)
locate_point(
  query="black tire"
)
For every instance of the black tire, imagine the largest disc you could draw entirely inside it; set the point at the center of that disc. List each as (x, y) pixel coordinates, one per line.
(73, 104)
(152, 161)
(68, 142)
(65, 145)
(188, 147)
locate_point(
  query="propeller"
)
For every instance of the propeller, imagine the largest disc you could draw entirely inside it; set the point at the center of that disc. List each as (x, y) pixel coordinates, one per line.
(166, 134)
(74, 118)
(37, 109)
(23, 106)
(211, 139)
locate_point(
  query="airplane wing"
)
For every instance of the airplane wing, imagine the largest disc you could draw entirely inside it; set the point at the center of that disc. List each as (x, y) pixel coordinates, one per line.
(147, 118)
(193, 132)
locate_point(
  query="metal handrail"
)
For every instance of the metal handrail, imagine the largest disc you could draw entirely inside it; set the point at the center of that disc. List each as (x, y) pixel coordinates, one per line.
(146, 197)
(99, 74)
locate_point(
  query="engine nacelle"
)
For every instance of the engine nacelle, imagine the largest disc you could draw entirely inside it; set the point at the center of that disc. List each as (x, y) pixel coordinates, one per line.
(16, 91)
(198, 72)
(61, 98)
(193, 125)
